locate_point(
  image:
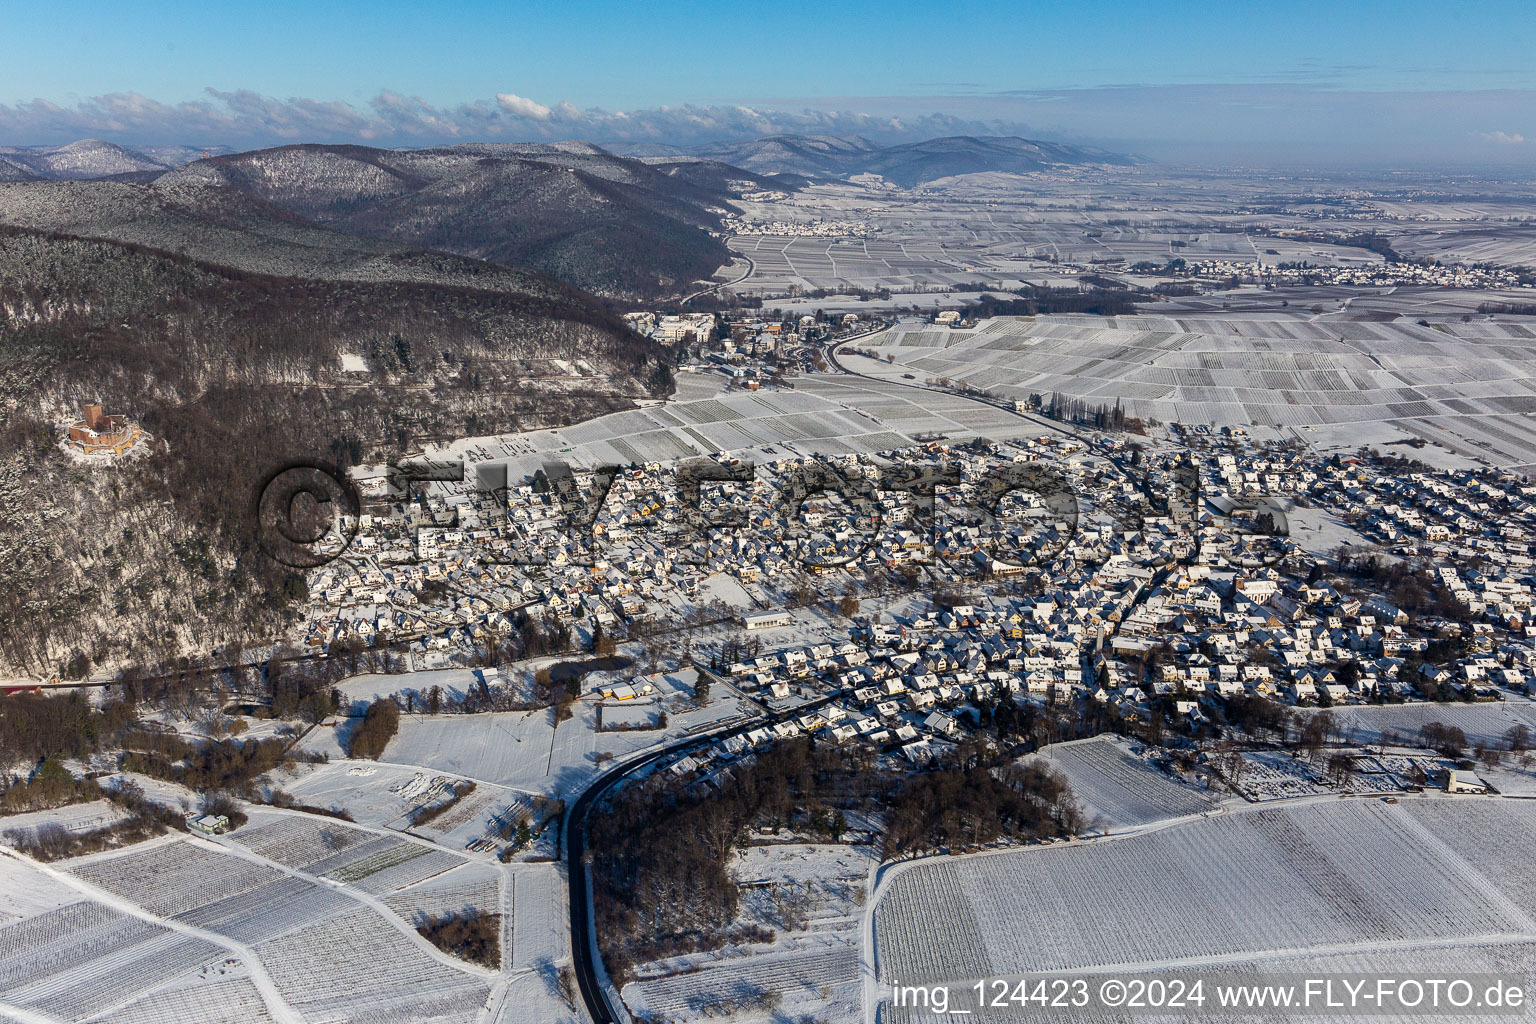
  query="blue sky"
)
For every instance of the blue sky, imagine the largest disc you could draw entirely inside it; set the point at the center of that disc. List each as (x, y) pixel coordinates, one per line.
(1073, 68)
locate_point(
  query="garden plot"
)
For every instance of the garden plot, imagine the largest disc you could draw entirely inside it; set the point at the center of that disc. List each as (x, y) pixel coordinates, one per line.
(1120, 787)
(1349, 874)
(1275, 775)
(357, 967)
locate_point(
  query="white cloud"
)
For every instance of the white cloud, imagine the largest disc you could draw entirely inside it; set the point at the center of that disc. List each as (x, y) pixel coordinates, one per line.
(521, 107)
(242, 118)
(1502, 138)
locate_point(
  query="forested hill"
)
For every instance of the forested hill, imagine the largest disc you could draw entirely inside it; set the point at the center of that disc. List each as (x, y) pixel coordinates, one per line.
(613, 226)
(235, 374)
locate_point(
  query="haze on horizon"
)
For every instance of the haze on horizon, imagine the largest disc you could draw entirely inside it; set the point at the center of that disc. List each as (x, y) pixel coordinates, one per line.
(1373, 84)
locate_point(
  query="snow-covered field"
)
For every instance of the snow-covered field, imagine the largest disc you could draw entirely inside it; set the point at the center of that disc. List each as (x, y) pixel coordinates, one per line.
(1357, 877)
(1117, 788)
(1278, 370)
(812, 897)
(82, 817)
(1482, 723)
(292, 918)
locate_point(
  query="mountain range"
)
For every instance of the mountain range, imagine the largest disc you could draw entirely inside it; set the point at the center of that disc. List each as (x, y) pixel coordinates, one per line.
(614, 226)
(908, 164)
(629, 228)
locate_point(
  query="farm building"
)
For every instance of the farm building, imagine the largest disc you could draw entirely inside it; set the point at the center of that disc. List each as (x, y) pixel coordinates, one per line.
(209, 824)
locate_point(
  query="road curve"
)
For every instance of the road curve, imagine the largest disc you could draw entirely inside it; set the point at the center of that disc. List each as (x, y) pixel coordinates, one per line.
(583, 934)
(751, 266)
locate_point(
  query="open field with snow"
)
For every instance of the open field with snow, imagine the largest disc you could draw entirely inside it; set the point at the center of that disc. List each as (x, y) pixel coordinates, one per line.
(1377, 883)
(1118, 788)
(81, 817)
(1467, 386)
(1482, 723)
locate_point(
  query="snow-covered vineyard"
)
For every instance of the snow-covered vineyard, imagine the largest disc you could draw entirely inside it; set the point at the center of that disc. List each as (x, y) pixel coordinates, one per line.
(1358, 884)
(1122, 788)
(291, 918)
(1465, 386)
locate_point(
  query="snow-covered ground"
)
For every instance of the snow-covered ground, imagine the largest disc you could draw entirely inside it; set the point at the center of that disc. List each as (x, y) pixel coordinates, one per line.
(1362, 882)
(812, 897)
(82, 817)
(1117, 787)
(1482, 723)
(522, 750)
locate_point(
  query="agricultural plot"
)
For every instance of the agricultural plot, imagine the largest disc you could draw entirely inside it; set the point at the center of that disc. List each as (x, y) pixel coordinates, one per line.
(1120, 788)
(176, 877)
(1482, 723)
(298, 841)
(824, 982)
(1459, 385)
(534, 996)
(1491, 958)
(359, 968)
(518, 749)
(397, 868)
(806, 420)
(1494, 836)
(82, 817)
(83, 958)
(1309, 876)
(231, 1000)
(268, 911)
(472, 886)
(25, 891)
(540, 935)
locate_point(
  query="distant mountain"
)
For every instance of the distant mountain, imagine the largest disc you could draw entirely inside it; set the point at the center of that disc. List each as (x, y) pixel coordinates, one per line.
(722, 178)
(796, 154)
(10, 170)
(611, 225)
(909, 164)
(92, 158)
(88, 158)
(228, 228)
